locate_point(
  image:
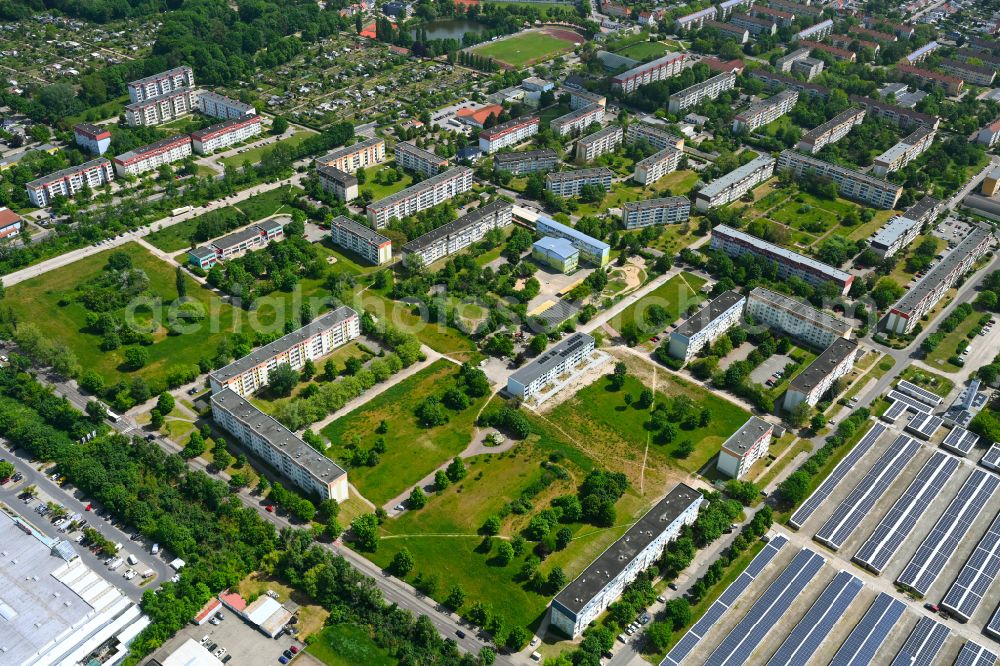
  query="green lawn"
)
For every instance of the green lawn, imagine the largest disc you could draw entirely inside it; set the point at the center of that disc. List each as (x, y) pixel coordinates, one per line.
(255, 154)
(348, 645)
(599, 414)
(644, 50)
(268, 203)
(676, 295)
(525, 49)
(381, 191)
(677, 183)
(65, 320)
(412, 451)
(268, 402)
(934, 383)
(949, 346)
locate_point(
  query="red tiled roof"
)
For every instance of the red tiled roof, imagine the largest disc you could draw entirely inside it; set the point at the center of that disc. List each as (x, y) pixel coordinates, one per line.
(479, 116)
(207, 610)
(8, 217)
(233, 600)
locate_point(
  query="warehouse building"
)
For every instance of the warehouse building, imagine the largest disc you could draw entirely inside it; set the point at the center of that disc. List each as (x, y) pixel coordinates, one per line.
(735, 184)
(339, 183)
(795, 318)
(765, 111)
(220, 106)
(662, 68)
(569, 183)
(525, 162)
(668, 210)
(153, 156)
(810, 384)
(852, 184)
(224, 134)
(602, 583)
(654, 136)
(745, 447)
(735, 243)
(357, 156)
(413, 158)
(556, 253)
(708, 89)
(706, 325)
(920, 299)
(67, 182)
(577, 121)
(591, 250)
(508, 134)
(559, 360)
(656, 166)
(599, 143)
(92, 138)
(904, 152)
(421, 196)
(161, 109)
(831, 131)
(461, 233)
(361, 240)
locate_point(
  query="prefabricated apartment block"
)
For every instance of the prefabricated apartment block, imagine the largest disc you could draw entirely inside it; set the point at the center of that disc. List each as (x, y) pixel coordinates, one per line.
(809, 385)
(577, 121)
(569, 183)
(461, 233)
(735, 184)
(172, 80)
(161, 109)
(67, 182)
(904, 152)
(765, 111)
(412, 157)
(852, 184)
(650, 212)
(708, 89)
(831, 131)
(663, 67)
(656, 166)
(508, 134)
(558, 360)
(415, 198)
(706, 325)
(153, 156)
(745, 447)
(339, 183)
(599, 143)
(795, 318)
(357, 156)
(525, 162)
(360, 239)
(220, 106)
(226, 133)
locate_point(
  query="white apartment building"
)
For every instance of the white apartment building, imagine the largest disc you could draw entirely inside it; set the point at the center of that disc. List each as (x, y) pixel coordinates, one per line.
(525, 162)
(920, 299)
(668, 210)
(852, 184)
(460, 234)
(226, 133)
(415, 198)
(696, 20)
(361, 240)
(220, 106)
(313, 341)
(69, 181)
(272, 442)
(356, 156)
(94, 138)
(708, 89)
(729, 6)
(508, 134)
(815, 32)
(895, 114)
(599, 143)
(153, 156)
(602, 583)
(662, 68)
(741, 35)
(904, 152)
(735, 243)
(569, 183)
(735, 184)
(163, 83)
(656, 166)
(161, 109)
(339, 183)
(577, 121)
(706, 325)
(989, 135)
(412, 157)
(785, 62)
(592, 250)
(795, 318)
(558, 360)
(894, 235)
(654, 136)
(754, 25)
(810, 384)
(745, 447)
(831, 131)
(579, 98)
(765, 111)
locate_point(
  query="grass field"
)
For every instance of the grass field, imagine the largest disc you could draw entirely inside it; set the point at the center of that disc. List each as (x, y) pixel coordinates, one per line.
(311, 615)
(412, 451)
(382, 191)
(67, 322)
(254, 154)
(268, 403)
(644, 50)
(676, 295)
(930, 381)
(678, 183)
(348, 645)
(525, 49)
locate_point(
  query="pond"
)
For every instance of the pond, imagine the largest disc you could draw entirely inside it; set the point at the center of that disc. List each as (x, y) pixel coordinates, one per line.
(451, 28)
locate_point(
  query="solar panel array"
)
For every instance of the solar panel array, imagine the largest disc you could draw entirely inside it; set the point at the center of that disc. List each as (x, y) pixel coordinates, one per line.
(896, 526)
(914, 404)
(924, 425)
(818, 622)
(896, 409)
(991, 460)
(690, 640)
(737, 647)
(935, 551)
(819, 496)
(861, 501)
(976, 576)
(960, 440)
(923, 644)
(993, 626)
(868, 635)
(914, 391)
(974, 654)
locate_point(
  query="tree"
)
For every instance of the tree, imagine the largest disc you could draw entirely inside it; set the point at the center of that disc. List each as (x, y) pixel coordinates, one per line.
(365, 529)
(6, 470)
(136, 358)
(402, 563)
(817, 422)
(195, 446)
(308, 370)
(96, 411)
(441, 480)
(282, 379)
(745, 492)
(505, 553)
(794, 488)
(417, 499)
(456, 470)
(491, 526)
(678, 613)
(659, 634)
(165, 403)
(279, 125)
(156, 419)
(487, 656)
(455, 598)
(563, 537)
(618, 376)
(538, 344)
(557, 579)
(799, 414)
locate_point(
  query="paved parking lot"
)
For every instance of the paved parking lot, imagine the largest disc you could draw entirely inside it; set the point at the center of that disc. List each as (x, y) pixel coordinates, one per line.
(762, 372)
(244, 643)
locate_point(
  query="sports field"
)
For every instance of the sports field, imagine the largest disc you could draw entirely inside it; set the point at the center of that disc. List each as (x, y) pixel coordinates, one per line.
(531, 47)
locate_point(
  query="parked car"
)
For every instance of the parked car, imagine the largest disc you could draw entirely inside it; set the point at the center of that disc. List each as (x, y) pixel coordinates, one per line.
(932, 607)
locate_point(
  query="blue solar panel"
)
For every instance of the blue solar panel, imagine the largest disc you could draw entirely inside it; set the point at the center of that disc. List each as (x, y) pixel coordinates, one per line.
(818, 622)
(862, 499)
(973, 654)
(991, 459)
(976, 576)
(868, 635)
(896, 526)
(814, 501)
(737, 647)
(681, 650)
(923, 644)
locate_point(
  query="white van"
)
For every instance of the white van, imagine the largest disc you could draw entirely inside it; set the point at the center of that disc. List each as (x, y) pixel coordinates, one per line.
(132, 559)
(155, 549)
(115, 563)
(148, 574)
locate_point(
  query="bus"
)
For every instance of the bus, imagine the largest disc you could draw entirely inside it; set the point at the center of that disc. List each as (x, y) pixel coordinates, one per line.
(180, 211)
